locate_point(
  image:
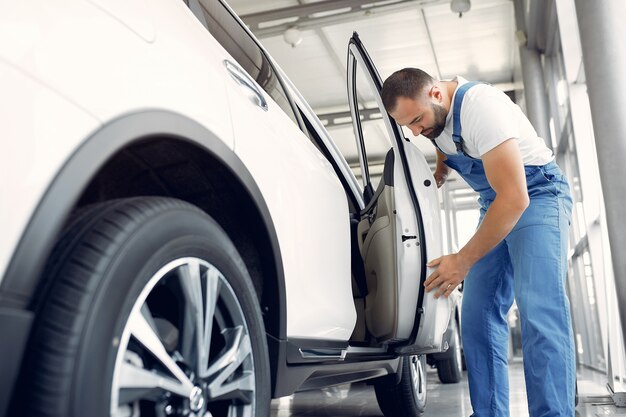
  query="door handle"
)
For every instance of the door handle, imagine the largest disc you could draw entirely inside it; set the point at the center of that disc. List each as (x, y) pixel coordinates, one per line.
(244, 80)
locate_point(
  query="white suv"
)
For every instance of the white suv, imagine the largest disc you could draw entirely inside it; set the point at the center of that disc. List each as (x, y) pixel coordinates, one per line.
(181, 236)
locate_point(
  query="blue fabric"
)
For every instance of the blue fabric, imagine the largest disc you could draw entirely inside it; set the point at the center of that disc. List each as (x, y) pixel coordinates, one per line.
(530, 266)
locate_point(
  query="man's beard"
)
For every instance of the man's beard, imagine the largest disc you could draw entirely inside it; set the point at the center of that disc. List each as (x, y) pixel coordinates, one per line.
(440, 115)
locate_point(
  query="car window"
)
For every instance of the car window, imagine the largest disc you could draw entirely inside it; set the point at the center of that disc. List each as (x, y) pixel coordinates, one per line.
(375, 136)
(233, 37)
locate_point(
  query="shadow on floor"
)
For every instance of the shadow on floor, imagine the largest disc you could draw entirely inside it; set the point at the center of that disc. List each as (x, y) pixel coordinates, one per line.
(443, 400)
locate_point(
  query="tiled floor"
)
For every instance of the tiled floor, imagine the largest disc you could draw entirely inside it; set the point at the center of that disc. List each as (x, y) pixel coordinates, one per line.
(450, 400)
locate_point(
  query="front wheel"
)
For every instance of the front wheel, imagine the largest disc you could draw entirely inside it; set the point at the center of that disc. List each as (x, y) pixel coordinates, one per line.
(150, 312)
(408, 397)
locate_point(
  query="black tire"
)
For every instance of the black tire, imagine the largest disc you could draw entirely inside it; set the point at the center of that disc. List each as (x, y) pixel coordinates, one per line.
(124, 272)
(450, 370)
(408, 397)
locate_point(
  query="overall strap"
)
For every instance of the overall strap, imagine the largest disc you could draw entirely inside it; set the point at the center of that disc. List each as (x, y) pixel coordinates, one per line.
(456, 116)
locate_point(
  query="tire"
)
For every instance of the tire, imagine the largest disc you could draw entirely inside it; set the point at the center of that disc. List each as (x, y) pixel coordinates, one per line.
(149, 311)
(408, 397)
(450, 370)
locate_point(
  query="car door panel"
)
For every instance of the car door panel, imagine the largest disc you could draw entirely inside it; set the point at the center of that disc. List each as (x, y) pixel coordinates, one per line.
(436, 311)
(414, 322)
(375, 231)
(310, 213)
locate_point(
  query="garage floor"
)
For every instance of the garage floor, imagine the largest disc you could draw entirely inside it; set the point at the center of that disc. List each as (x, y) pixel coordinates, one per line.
(443, 400)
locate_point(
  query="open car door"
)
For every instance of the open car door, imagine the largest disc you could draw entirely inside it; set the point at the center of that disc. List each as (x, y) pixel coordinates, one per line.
(400, 228)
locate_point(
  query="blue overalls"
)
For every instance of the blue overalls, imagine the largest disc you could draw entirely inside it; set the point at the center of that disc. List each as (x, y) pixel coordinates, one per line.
(530, 264)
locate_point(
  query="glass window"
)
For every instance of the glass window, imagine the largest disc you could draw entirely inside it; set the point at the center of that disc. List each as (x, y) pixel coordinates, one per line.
(585, 285)
(242, 47)
(586, 317)
(375, 135)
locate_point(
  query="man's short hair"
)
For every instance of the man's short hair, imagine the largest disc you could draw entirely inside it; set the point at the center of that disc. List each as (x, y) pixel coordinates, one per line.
(407, 82)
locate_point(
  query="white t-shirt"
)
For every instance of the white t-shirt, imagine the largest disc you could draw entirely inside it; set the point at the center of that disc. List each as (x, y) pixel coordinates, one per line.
(488, 118)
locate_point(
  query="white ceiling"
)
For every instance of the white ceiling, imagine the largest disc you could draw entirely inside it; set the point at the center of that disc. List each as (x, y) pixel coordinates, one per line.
(480, 46)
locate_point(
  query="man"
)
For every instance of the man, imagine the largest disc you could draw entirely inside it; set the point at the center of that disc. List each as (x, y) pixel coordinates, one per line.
(519, 248)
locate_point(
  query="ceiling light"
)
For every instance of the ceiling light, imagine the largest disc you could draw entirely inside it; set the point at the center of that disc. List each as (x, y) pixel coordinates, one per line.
(292, 36)
(460, 6)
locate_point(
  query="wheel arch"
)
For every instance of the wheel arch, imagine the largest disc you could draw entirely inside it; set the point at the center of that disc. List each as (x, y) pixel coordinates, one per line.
(155, 152)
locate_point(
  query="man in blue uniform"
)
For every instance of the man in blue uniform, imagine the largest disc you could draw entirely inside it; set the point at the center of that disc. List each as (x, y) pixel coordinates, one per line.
(519, 249)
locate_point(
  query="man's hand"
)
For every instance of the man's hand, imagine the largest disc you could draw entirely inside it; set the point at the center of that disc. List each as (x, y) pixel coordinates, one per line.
(451, 271)
(440, 177)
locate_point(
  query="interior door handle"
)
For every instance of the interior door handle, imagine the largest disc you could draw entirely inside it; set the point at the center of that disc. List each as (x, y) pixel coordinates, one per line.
(244, 80)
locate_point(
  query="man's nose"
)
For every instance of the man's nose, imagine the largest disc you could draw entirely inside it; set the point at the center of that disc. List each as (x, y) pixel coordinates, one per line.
(416, 130)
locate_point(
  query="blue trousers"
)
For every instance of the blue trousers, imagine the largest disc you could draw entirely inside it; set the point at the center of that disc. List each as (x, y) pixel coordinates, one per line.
(530, 265)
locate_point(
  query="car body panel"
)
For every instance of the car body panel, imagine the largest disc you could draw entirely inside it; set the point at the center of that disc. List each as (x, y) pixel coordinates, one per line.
(309, 209)
(40, 129)
(310, 213)
(38, 40)
(329, 144)
(41, 39)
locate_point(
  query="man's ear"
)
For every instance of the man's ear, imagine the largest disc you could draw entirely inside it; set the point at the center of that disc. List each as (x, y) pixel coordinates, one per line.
(435, 92)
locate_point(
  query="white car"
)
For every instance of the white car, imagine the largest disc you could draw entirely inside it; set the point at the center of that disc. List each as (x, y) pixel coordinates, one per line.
(181, 236)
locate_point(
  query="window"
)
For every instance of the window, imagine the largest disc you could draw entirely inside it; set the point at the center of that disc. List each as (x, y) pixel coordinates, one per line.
(375, 135)
(227, 30)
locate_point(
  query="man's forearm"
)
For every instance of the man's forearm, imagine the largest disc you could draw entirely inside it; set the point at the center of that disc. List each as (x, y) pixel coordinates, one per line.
(441, 170)
(440, 166)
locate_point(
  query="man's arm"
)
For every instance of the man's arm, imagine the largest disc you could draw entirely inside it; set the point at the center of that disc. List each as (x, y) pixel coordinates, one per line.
(505, 172)
(441, 169)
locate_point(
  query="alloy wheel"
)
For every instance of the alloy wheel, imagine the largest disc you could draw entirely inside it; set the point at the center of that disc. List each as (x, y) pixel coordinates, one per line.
(418, 377)
(185, 349)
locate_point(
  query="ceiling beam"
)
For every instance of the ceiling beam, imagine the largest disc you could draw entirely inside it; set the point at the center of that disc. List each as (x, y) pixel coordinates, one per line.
(311, 15)
(341, 118)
